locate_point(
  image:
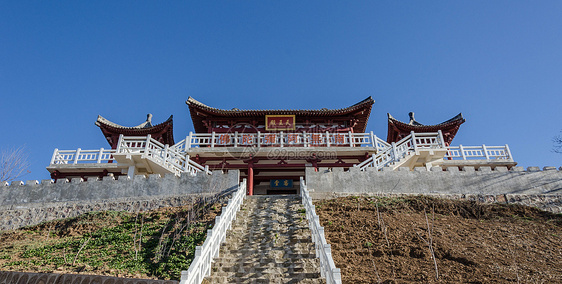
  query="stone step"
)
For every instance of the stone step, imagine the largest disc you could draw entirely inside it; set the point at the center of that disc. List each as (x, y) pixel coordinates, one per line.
(269, 242)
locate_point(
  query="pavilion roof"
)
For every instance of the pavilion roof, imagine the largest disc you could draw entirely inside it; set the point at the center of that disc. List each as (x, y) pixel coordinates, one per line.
(397, 129)
(200, 112)
(163, 132)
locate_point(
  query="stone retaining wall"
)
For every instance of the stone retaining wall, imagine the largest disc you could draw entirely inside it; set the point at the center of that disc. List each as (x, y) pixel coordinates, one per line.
(108, 188)
(534, 187)
(546, 202)
(12, 277)
(33, 203)
(34, 213)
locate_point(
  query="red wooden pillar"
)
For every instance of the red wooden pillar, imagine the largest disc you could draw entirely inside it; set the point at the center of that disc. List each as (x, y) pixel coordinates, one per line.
(250, 178)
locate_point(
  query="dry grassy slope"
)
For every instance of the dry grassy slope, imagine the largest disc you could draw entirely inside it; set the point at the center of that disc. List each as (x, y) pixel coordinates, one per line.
(473, 242)
(157, 244)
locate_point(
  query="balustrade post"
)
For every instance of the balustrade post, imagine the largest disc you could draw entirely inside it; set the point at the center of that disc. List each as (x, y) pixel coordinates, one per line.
(442, 141)
(413, 134)
(165, 153)
(236, 139)
(213, 139)
(485, 152)
(461, 149)
(394, 153)
(188, 140)
(373, 140)
(99, 155)
(147, 145)
(76, 155)
(118, 150)
(508, 152)
(336, 273)
(304, 140)
(259, 139)
(351, 139)
(54, 156)
(281, 139)
(327, 139)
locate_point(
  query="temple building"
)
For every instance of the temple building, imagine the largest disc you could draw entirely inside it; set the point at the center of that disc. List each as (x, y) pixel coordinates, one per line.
(273, 148)
(163, 132)
(398, 129)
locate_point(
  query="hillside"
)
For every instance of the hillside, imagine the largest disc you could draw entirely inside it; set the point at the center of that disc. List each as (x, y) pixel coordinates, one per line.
(157, 244)
(386, 240)
(374, 240)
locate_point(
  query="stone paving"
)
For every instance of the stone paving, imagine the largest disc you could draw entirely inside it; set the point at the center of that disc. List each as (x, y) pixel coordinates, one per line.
(269, 243)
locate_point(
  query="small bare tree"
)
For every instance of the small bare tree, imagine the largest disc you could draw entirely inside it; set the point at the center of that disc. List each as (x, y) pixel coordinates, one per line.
(13, 163)
(557, 144)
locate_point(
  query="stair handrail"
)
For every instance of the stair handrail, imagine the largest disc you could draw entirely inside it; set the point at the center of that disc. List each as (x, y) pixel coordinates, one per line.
(388, 154)
(201, 265)
(328, 268)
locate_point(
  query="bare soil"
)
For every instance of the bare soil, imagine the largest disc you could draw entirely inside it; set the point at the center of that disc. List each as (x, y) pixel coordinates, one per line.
(386, 240)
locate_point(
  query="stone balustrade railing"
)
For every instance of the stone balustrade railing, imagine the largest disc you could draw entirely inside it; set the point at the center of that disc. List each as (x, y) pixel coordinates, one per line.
(328, 269)
(201, 265)
(281, 139)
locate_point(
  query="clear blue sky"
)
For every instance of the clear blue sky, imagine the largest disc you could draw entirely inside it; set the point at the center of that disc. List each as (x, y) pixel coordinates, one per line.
(64, 62)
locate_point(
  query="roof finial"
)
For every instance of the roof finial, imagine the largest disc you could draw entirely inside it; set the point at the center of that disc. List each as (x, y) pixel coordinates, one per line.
(412, 119)
(149, 118)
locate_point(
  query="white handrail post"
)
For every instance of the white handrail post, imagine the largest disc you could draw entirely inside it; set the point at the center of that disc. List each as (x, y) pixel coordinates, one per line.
(118, 150)
(99, 155)
(236, 139)
(485, 152)
(327, 139)
(413, 134)
(461, 149)
(508, 152)
(259, 139)
(76, 155)
(351, 139)
(165, 153)
(304, 140)
(394, 153)
(188, 140)
(147, 145)
(54, 156)
(373, 140)
(442, 141)
(213, 139)
(281, 139)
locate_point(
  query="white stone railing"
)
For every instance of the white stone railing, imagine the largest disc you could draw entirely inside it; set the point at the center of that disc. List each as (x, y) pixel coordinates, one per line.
(478, 152)
(175, 161)
(328, 268)
(281, 139)
(398, 150)
(162, 154)
(82, 156)
(201, 265)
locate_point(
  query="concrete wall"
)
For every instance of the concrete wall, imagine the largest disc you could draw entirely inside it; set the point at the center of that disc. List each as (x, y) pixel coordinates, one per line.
(108, 188)
(12, 277)
(451, 181)
(536, 187)
(33, 203)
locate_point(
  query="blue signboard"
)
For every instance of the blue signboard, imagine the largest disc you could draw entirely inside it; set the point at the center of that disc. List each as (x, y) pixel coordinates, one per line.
(281, 183)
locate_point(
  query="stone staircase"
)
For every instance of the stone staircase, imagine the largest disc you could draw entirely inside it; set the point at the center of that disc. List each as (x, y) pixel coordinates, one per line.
(269, 243)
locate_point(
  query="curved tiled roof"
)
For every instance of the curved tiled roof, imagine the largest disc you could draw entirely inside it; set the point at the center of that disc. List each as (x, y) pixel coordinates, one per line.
(163, 132)
(397, 129)
(199, 110)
